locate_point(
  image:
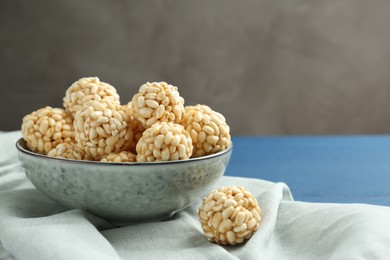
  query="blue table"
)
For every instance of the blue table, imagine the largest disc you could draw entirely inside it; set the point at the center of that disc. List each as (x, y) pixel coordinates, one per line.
(346, 169)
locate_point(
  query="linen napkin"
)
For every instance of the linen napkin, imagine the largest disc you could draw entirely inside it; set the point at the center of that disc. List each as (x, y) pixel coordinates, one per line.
(34, 227)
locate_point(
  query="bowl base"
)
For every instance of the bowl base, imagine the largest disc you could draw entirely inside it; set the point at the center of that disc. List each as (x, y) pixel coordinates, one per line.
(123, 223)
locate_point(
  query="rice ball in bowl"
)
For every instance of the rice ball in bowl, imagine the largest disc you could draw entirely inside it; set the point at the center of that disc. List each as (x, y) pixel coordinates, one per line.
(124, 191)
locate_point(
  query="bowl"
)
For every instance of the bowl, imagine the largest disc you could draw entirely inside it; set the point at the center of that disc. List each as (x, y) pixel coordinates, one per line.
(124, 192)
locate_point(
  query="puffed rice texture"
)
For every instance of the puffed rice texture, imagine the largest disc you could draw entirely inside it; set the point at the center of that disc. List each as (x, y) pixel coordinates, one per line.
(101, 128)
(164, 142)
(47, 127)
(69, 151)
(208, 129)
(136, 127)
(124, 156)
(86, 89)
(157, 102)
(229, 215)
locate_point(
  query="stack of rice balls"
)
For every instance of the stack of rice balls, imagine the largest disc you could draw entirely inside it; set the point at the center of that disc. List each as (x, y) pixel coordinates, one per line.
(154, 126)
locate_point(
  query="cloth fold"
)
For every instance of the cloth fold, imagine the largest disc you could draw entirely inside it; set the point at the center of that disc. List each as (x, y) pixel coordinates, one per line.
(34, 227)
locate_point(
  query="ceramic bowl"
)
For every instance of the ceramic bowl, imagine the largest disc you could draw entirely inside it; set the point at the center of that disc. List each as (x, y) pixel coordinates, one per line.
(124, 191)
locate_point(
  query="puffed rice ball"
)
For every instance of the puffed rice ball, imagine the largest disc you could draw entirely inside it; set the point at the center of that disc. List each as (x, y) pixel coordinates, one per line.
(157, 102)
(164, 142)
(208, 129)
(101, 128)
(136, 126)
(69, 151)
(47, 127)
(86, 89)
(229, 215)
(124, 156)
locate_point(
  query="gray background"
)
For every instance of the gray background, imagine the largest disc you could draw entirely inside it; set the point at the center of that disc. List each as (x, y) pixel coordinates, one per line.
(271, 67)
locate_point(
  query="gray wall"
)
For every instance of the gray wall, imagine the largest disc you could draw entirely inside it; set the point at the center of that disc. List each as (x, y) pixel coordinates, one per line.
(271, 67)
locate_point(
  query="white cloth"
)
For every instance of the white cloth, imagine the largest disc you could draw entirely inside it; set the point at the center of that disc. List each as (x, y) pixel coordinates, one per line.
(34, 227)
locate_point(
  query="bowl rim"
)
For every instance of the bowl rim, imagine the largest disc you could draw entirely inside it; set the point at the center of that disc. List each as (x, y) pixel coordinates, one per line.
(21, 142)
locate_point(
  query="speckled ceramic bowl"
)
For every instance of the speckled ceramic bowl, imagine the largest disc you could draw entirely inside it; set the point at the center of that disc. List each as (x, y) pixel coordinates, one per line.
(124, 191)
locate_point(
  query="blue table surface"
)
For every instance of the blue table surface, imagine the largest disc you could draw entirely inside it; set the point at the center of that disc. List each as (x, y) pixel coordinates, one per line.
(342, 169)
